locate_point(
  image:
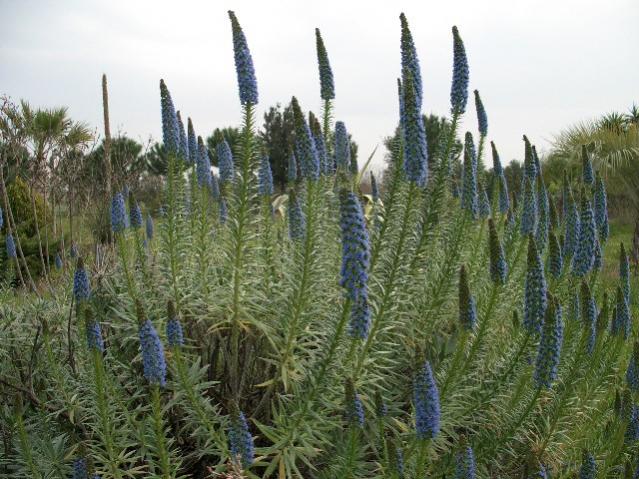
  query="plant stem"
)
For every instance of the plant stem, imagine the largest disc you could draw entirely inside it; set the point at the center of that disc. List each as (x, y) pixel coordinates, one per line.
(158, 428)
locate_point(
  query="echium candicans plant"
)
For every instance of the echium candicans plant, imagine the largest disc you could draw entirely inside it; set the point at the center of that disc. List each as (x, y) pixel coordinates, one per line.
(530, 168)
(81, 285)
(600, 203)
(410, 60)
(482, 118)
(240, 439)
(624, 272)
(225, 162)
(153, 359)
(465, 467)
(504, 199)
(426, 403)
(414, 135)
(498, 264)
(529, 215)
(555, 257)
(95, 341)
(11, 247)
(621, 324)
(469, 196)
(467, 304)
(265, 177)
(170, 126)
(484, 203)
(247, 83)
(305, 145)
(174, 331)
(584, 254)
(374, 188)
(58, 261)
(296, 218)
(459, 87)
(543, 217)
(192, 142)
(80, 469)
(327, 84)
(597, 262)
(291, 169)
(149, 227)
(565, 196)
(354, 409)
(549, 351)
(588, 469)
(183, 142)
(135, 213)
(573, 227)
(118, 213)
(535, 290)
(342, 148)
(588, 316)
(355, 262)
(632, 372)
(588, 174)
(320, 145)
(203, 165)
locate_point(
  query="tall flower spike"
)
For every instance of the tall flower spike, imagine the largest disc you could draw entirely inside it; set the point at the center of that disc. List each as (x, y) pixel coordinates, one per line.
(467, 305)
(240, 439)
(291, 171)
(469, 197)
(530, 169)
(225, 162)
(426, 403)
(543, 220)
(584, 255)
(320, 146)
(327, 85)
(536, 160)
(415, 147)
(588, 469)
(203, 167)
(152, 350)
(58, 261)
(548, 354)
(624, 272)
(81, 285)
(149, 227)
(354, 410)
(632, 373)
(573, 226)
(73, 251)
(135, 213)
(80, 469)
(192, 142)
(588, 316)
(246, 81)
(118, 213)
(484, 203)
(296, 218)
(601, 209)
(95, 342)
(265, 177)
(374, 188)
(597, 262)
(622, 324)
(305, 145)
(215, 187)
(402, 109)
(170, 127)
(465, 467)
(174, 332)
(529, 215)
(498, 265)
(497, 168)
(11, 247)
(586, 165)
(342, 147)
(410, 61)
(535, 291)
(504, 199)
(459, 88)
(555, 258)
(632, 429)
(183, 142)
(355, 262)
(482, 118)
(224, 211)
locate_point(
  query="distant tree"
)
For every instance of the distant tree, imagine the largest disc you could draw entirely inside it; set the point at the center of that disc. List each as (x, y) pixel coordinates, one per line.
(231, 134)
(127, 162)
(513, 172)
(277, 137)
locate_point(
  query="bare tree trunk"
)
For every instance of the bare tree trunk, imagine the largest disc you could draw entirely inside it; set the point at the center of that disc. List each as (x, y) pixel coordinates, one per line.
(107, 145)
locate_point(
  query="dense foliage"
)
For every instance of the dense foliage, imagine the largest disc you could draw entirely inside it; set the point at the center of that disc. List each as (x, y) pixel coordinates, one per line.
(450, 329)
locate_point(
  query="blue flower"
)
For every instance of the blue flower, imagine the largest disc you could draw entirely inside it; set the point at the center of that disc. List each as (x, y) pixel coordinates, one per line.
(469, 197)
(291, 170)
(530, 214)
(327, 85)
(174, 333)
(225, 162)
(530, 168)
(601, 209)
(80, 470)
(632, 373)
(81, 286)
(589, 316)
(296, 218)
(183, 143)
(215, 187)
(414, 135)
(621, 322)
(597, 263)
(632, 429)
(498, 265)
(548, 354)
(426, 403)
(342, 147)
(459, 88)
(543, 209)
(504, 199)
(573, 227)
(265, 177)
(484, 203)
(305, 145)
(118, 213)
(482, 118)
(402, 110)
(11, 247)
(243, 64)
(374, 188)
(535, 290)
(539, 474)
(135, 214)
(588, 468)
(149, 227)
(354, 411)
(58, 261)
(586, 164)
(194, 152)
(224, 212)
(467, 306)
(410, 61)
(73, 251)
(465, 467)
(170, 127)
(94, 335)
(584, 254)
(624, 273)
(555, 258)
(326, 163)
(497, 168)
(152, 354)
(240, 439)
(203, 165)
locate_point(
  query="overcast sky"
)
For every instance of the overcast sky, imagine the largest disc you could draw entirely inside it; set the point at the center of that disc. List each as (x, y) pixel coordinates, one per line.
(539, 65)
